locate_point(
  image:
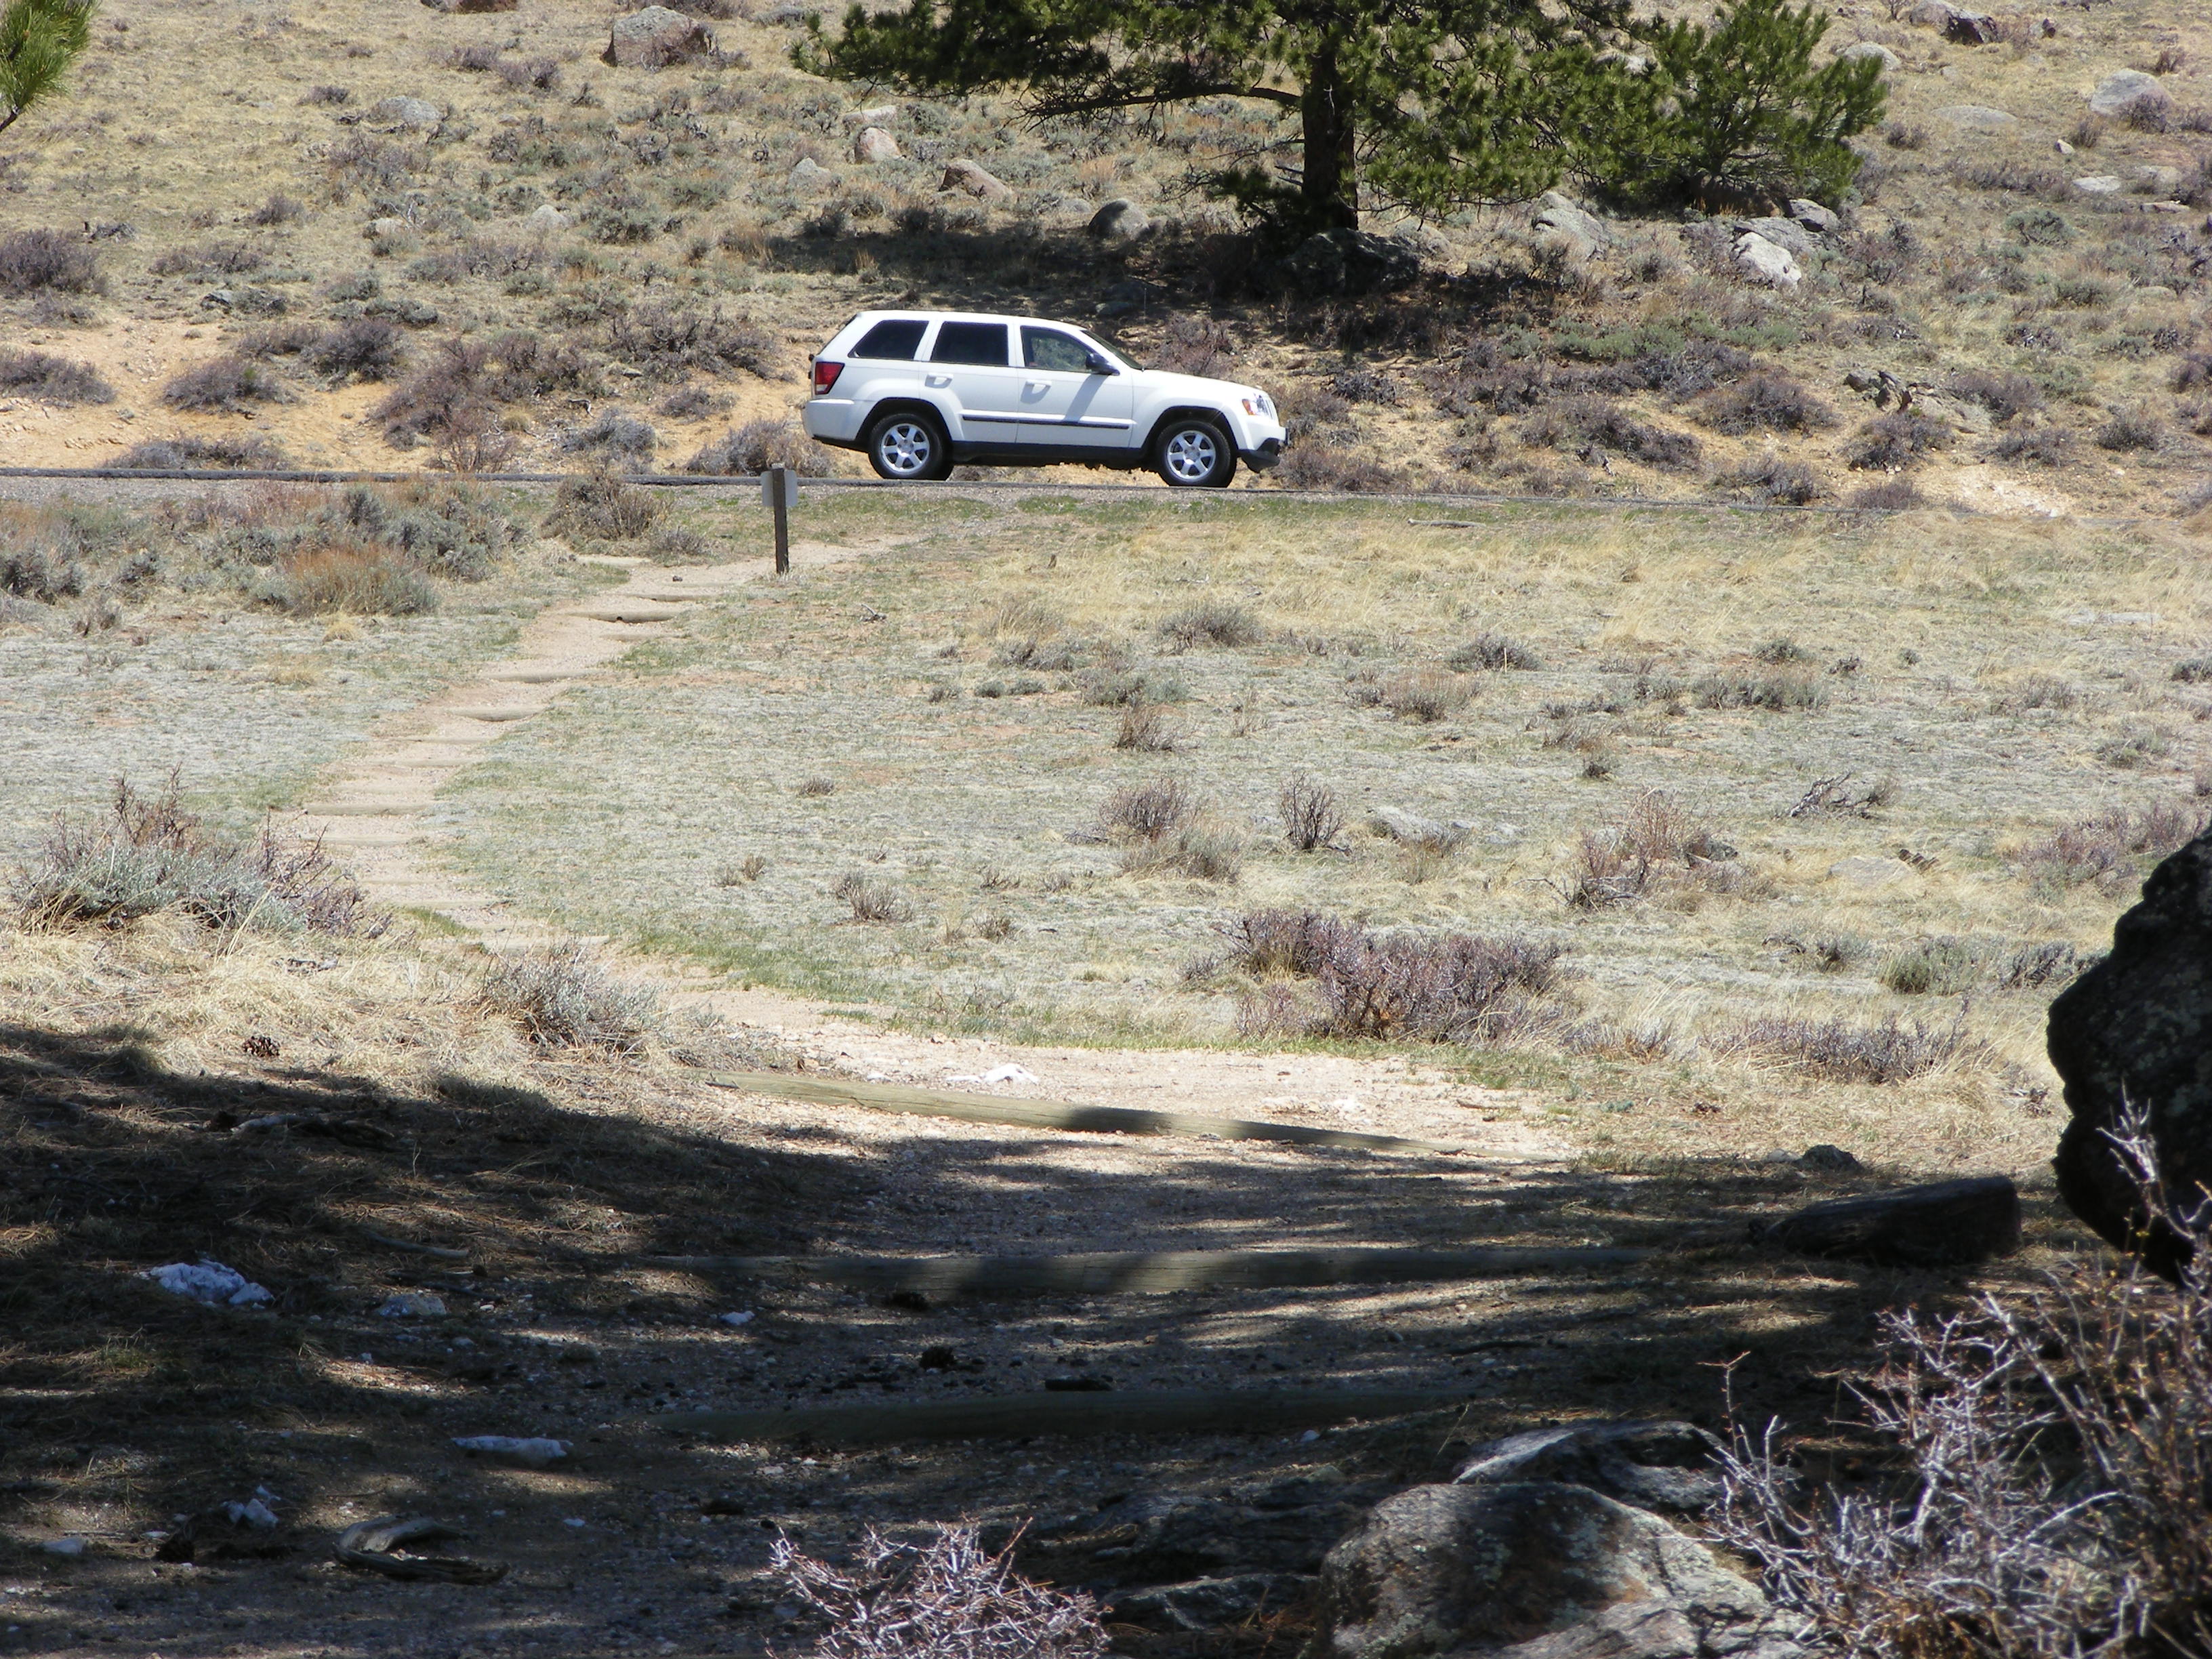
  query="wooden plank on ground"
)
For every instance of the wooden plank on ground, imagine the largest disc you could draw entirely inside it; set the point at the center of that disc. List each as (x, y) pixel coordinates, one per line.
(1124, 1272)
(1018, 1416)
(824, 1089)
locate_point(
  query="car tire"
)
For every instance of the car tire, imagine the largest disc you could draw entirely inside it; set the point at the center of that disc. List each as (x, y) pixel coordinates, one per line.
(1192, 453)
(910, 446)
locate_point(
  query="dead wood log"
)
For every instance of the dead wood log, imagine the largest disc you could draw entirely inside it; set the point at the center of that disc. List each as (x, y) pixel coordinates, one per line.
(1945, 1224)
(1013, 1417)
(385, 1546)
(1126, 1272)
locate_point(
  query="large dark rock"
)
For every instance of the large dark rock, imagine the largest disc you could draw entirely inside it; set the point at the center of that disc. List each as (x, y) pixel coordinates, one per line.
(1536, 1570)
(1651, 1466)
(1942, 1225)
(2136, 1029)
(1350, 262)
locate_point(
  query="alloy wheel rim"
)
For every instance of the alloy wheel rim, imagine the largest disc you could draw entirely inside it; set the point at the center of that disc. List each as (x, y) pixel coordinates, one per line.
(905, 447)
(1191, 455)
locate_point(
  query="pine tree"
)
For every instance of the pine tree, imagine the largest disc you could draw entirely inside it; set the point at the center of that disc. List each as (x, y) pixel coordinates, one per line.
(38, 40)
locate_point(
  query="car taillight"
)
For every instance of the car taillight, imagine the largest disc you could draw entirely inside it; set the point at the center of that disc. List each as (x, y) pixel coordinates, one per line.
(825, 375)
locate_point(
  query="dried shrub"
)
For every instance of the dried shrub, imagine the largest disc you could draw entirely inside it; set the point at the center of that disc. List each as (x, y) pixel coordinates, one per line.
(48, 379)
(278, 209)
(2007, 397)
(1119, 688)
(2130, 429)
(1306, 407)
(693, 402)
(1194, 345)
(1144, 728)
(461, 384)
(368, 347)
(34, 261)
(360, 162)
(2193, 372)
(1771, 478)
(36, 572)
(450, 530)
(562, 997)
(949, 1599)
(1940, 967)
(1655, 845)
(1203, 852)
(664, 341)
(1841, 1051)
(529, 74)
(1210, 621)
(2040, 226)
(184, 454)
(360, 578)
(614, 433)
(1148, 812)
(1493, 651)
(1743, 687)
(2048, 445)
(1426, 694)
(2054, 1500)
(1766, 402)
(1322, 466)
(1890, 443)
(758, 446)
(2112, 850)
(1457, 989)
(598, 506)
(1312, 814)
(1599, 423)
(1890, 496)
(871, 900)
(1368, 385)
(227, 382)
(147, 853)
(211, 258)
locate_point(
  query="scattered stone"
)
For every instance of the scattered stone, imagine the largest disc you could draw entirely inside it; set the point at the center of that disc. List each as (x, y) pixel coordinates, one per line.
(1833, 1159)
(1979, 117)
(1283, 1526)
(1944, 1224)
(2156, 181)
(1861, 49)
(1785, 233)
(874, 116)
(1119, 220)
(529, 1452)
(807, 174)
(2134, 1029)
(2121, 91)
(657, 38)
(252, 1513)
(744, 1317)
(1814, 217)
(413, 312)
(211, 1282)
(548, 218)
(2060, 147)
(419, 113)
(1535, 1570)
(872, 144)
(1664, 1466)
(1560, 221)
(1931, 13)
(2099, 184)
(969, 178)
(412, 1304)
(1411, 829)
(1766, 261)
(1971, 28)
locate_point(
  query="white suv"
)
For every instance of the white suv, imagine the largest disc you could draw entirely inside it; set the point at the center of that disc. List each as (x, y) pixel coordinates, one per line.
(918, 390)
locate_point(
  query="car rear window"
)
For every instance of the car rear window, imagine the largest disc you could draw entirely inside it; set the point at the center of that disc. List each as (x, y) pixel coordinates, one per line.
(971, 342)
(896, 341)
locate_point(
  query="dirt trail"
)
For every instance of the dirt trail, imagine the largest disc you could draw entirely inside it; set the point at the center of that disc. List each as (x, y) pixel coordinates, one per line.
(375, 813)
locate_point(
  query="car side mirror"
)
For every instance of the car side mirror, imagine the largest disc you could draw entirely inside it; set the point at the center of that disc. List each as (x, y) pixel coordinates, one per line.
(1098, 365)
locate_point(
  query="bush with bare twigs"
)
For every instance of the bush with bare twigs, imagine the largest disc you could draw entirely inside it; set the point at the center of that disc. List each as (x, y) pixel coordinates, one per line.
(562, 999)
(2112, 848)
(1312, 814)
(1656, 844)
(871, 900)
(1147, 812)
(601, 507)
(147, 853)
(1210, 621)
(2056, 1501)
(759, 445)
(948, 1599)
(47, 378)
(1844, 1051)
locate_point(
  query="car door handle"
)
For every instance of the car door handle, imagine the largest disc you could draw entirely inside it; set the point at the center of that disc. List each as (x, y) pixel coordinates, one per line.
(1036, 386)
(937, 379)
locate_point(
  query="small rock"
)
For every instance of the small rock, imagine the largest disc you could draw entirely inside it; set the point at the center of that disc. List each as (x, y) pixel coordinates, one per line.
(1411, 829)
(529, 1452)
(252, 1513)
(2155, 180)
(1833, 1159)
(1971, 28)
(1768, 262)
(1784, 233)
(2121, 91)
(1979, 117)
(547, 217)
(1942, 1224)
(1813, 215)
(657, 38)
(2060, 147)
(1862, 50)
(969, 178)
(1009, 1073)
(1931, 13)
(211, 1282)
(872, 144)
(875, 115)
(1662, 1466)
(416, 112)
(1580, 233)
(807, 174)
(1119, 220)
(2099, 184)
(744, 1317)
(412, 1304)
(64, 1546)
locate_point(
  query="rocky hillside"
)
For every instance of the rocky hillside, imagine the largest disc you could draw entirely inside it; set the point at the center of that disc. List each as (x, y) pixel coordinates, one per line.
(396, 236)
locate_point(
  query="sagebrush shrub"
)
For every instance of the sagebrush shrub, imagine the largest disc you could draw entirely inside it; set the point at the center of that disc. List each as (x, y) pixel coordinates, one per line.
(872, 900)
(1766, 402)
(666, 341)
(613, 433)
(1309, 465)
(184, 452)
(1210, 621)
(227, 382)
(1890, 443)
(1149, 811)
(361, 578)
(33, 260)
(1493, 651)
(2112, 848)
(562, 997)
(600, 507)
(49, 379)
(758, 446)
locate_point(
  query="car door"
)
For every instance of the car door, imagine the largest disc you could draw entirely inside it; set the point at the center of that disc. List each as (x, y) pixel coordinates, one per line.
(971, 367)
(1071, 398)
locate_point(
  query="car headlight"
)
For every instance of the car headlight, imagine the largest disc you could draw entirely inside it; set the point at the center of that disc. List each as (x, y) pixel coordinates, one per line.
(1257, 403)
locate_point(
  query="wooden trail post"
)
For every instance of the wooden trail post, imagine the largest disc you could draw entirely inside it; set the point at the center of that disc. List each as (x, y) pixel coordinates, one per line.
(779, 489)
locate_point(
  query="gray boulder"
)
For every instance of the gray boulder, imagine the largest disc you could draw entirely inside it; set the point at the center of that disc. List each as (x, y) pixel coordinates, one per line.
(1411, 829)
(1813, 215)
(418, 113)
(2119, 93)
(1578, 232)
(1890, 62)
(1971, 28)
(872, 144)
(1979, 118)
(1351, 262)
(1766, 262)
(970, 178)
(807, 174)
(656, 38)
(1535, 1570)
(1650, 1466)
(2155, 180)
(2099, 184)
(1119, 220)
(545, 218)
(1785, 233)
(2136, 1029)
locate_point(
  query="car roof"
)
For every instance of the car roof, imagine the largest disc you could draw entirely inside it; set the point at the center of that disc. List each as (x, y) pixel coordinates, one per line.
(960, 317)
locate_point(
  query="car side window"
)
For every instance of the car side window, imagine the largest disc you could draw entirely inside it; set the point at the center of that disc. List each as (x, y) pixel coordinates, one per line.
(981, 344)
(896, 341)
(1048, 349)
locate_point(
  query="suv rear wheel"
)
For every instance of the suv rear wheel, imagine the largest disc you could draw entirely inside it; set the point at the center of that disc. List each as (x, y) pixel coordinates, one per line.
(1192, 453)
(909, 446)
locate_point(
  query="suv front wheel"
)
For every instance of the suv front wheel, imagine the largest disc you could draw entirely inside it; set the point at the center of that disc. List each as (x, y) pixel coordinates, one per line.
(908, 447)
(1191, 452)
